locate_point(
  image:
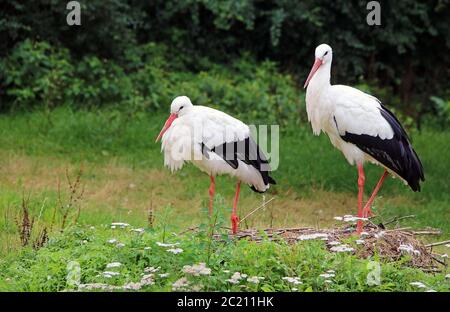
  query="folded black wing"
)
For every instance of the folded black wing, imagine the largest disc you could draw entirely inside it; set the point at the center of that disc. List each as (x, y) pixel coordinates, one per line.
(396, 153)
(246, 151)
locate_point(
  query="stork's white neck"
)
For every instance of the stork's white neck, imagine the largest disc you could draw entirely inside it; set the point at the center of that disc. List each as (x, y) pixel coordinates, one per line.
(315, 103)
(321, 78)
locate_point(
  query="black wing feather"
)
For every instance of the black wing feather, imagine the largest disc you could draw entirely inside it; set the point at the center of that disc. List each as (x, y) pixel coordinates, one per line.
(397, 153)
(246, 151)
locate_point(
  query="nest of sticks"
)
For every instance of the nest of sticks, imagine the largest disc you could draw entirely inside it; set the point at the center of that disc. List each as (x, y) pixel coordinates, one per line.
(388, 244)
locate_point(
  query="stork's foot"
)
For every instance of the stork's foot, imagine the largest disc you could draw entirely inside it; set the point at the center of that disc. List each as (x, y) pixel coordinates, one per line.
(234, 223)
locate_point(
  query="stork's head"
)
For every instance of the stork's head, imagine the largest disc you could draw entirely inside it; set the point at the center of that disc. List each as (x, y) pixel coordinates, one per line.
(324, 55)
(180, 105)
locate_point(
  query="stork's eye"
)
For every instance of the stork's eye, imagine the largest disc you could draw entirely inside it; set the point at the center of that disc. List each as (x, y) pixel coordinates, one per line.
(326, 53)
(181, 108)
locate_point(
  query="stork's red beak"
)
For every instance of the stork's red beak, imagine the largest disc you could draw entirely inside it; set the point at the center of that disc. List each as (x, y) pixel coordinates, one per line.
(315, 67)
(167, 125)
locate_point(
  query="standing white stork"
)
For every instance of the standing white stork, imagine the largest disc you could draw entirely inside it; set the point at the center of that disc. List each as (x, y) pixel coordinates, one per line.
(361, 127)
(216, 143)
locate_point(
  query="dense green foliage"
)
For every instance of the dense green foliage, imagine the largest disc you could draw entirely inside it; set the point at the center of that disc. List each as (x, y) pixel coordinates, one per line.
(38, 74)
(97, 59)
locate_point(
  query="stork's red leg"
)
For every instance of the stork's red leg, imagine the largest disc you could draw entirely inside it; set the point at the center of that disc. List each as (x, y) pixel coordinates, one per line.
(361, 179)
(212, 188)
(234, 217)
(367, 211)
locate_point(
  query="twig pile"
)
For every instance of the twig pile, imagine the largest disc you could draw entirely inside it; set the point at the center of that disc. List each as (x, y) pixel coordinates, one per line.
(390, 245)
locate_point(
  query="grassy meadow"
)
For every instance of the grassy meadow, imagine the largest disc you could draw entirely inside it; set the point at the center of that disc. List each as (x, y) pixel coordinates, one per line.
(123, 180)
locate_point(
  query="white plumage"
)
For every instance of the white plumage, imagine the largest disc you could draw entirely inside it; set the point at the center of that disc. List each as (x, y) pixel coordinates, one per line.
(337, 109)
(360, 127)
(182, 142)
(216, 143)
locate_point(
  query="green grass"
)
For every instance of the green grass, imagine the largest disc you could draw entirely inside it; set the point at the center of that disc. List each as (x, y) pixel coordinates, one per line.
(89, 248)
(123, 176)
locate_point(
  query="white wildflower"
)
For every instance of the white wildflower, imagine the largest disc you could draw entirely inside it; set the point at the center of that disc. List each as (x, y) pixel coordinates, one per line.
(113, 265)
(359, 241)
(151, 269)
(147, 279)
(430, 290)
(418, 284)
(197, 287)
(294, 289)
(292, 280)
(341, 248)
(180, 284)
(447, 245)
(447, 276)
(119, 225)
(379, 234)
(334, 243)
(175, 250)
(132, 286)
(327, 275)
(166, 244)
(226, 271)
(120, 245)
(110, 274)
(312, 236)
(328, 281)
(93, 286)
(112, 241)
(139, 230)
(197, 269)
(331, 271)
(236, 277)
(147, 248)
(163, 275)
(444, 256)
(254, 279)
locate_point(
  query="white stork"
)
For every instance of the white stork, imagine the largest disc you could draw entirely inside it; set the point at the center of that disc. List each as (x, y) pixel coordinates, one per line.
(216, 143)
(361, 127)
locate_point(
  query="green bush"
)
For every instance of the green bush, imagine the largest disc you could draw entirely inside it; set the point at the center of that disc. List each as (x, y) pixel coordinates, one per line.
(36, 73)
(97, 83)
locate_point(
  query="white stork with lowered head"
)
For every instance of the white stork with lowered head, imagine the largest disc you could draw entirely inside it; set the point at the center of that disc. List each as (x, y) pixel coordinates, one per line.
(216, 143)
(361, 127)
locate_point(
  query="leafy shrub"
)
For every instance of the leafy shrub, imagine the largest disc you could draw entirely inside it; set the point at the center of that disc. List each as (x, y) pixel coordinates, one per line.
(98, 82)
(36, 73)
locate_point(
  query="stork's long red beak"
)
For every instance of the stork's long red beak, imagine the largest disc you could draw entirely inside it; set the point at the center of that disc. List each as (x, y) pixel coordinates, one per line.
(167, 125)
(315, 67)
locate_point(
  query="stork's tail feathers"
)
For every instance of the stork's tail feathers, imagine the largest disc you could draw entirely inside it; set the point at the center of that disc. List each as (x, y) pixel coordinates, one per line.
(267, 180)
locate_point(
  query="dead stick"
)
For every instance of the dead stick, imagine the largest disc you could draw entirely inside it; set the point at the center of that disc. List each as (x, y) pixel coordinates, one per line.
(437, 260)
(438, 243)
(263, 205)
(437, 232)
